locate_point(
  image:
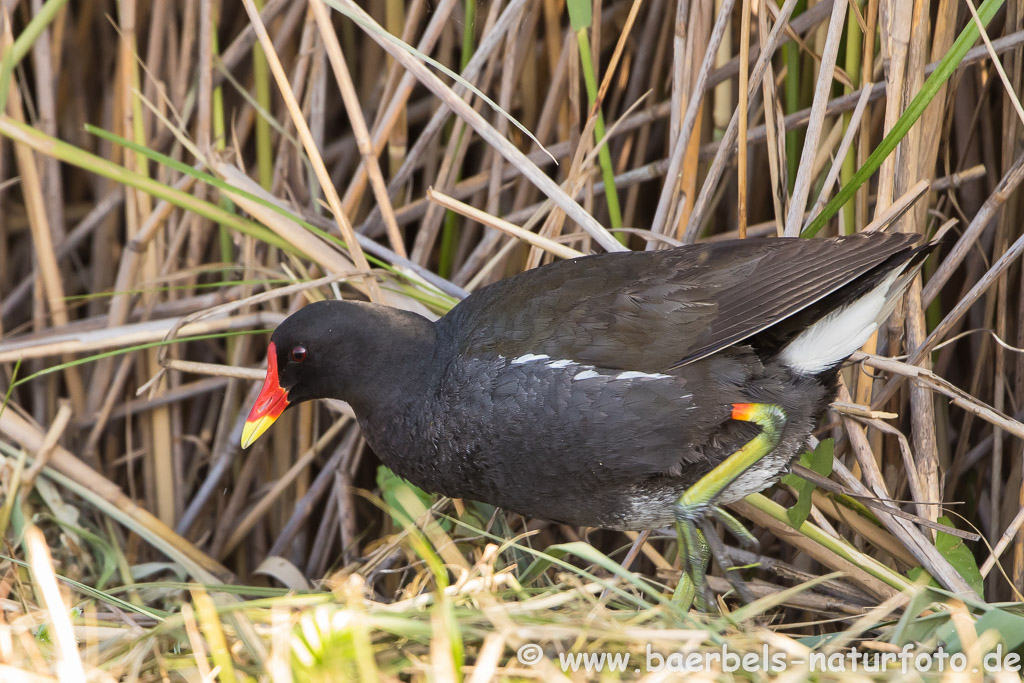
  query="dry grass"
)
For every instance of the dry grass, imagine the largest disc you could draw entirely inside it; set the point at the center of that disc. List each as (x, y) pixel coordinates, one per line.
(243, 158)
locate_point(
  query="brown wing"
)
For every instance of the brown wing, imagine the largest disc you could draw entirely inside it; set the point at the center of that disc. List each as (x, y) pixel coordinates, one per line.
(789, 280)
(649, 311)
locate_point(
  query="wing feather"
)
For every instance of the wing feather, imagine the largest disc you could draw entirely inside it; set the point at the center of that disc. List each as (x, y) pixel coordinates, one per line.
(649, 311)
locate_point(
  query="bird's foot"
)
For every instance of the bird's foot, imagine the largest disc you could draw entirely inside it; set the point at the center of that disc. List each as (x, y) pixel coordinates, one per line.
(696, 510)
(694, 557)
(746, 539)
(698, 542)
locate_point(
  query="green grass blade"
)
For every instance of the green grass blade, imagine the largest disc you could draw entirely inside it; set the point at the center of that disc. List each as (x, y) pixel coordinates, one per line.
(63, 151)
(23, 43)
(914, 110)
(129, 349)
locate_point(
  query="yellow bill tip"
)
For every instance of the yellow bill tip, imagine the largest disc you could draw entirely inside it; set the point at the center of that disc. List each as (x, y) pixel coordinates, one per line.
(253, 429)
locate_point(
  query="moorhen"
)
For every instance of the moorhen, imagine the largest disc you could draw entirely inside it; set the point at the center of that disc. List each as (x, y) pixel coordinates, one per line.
(627, 390)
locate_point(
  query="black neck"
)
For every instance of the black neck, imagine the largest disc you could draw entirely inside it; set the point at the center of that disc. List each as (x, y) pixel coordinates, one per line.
(396, 353)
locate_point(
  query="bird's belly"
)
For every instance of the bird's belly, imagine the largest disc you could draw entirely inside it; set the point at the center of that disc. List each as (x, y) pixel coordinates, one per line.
(611, 488)
(575, 444)
(647, 505)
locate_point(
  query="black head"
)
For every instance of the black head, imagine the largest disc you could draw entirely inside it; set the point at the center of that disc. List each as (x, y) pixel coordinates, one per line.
(313, 348)
(330, 349)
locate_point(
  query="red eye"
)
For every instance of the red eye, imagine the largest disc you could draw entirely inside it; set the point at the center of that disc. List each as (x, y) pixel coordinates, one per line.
(298, 354)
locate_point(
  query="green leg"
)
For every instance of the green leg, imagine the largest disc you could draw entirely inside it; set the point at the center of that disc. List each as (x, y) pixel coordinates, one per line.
(736, 528)
(686, 591)
(696, 505)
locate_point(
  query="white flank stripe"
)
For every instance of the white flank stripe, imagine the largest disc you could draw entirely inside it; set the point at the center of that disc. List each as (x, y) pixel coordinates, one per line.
(632, 374)
(833, 338)
(528, 358)
(586, 374)
(560, 363)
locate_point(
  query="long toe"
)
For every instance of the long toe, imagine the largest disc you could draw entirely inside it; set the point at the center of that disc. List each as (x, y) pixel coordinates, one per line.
(725, 563)
(694, 558)
(743, 535)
